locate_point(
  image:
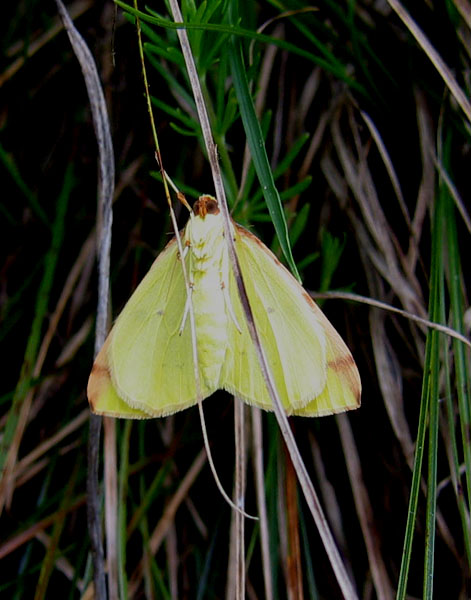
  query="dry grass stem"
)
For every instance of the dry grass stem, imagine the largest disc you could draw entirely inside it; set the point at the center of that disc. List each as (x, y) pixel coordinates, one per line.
(257, 446)
(383, 587)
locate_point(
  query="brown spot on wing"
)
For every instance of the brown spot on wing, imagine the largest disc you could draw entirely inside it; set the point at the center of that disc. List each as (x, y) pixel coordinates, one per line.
(307, 296)
(355, 386)
(341, 363)
(100, 376)
(346, 367)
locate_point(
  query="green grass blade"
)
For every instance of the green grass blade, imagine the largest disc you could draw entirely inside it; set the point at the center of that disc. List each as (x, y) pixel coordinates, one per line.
(122, 512)
(337, 69)
(436, 308)
(416, 477)
(462, 374)
(40, 315)
(47, 566)
(259, 156)
(30, 196)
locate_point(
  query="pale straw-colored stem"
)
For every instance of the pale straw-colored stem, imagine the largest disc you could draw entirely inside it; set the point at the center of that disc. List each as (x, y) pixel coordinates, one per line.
(301, 471)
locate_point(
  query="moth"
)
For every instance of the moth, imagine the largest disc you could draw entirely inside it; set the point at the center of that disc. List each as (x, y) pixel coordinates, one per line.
(146, 368)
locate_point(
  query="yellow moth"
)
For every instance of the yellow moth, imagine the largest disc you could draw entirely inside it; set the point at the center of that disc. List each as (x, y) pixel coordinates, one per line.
(146, 369)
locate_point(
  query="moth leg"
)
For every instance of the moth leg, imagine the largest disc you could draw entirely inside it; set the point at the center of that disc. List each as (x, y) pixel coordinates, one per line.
(185, 250)
(190, 291)
(228, 303)
(187, 308)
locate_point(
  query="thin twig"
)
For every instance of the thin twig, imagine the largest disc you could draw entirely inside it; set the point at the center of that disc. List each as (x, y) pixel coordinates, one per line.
(111, 505)
(388, 164)
(257, 444)
(403, 313)
(30, 47)
(365, 512)
(191, 312)
(435, 58)
(168, 517)
(301, 471)
(239, 489)
(105, 217)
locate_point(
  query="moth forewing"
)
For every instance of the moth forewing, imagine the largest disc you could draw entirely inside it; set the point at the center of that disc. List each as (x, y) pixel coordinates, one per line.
(297, 339)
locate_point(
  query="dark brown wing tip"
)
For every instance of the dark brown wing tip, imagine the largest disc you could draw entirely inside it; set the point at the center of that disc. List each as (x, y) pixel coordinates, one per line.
(99, 378)
(345, 364)
(355, 384)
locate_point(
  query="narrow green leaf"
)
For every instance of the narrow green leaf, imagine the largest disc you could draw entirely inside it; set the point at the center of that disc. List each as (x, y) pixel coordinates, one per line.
(15, 174)
(257, 149)
(436, 308)
(47, 565)
(40, 315)
(246, 33)
(461, 387)
(122, 513)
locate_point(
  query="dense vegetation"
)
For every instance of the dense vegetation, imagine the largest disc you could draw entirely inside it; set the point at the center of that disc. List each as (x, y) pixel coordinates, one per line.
(365, 120)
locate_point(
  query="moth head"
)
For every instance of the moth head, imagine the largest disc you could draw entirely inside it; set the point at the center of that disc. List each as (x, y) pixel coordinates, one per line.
(205, 205)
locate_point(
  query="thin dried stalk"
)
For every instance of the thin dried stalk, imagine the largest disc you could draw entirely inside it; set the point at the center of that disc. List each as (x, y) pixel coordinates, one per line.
(75, 10)
(294, 570)
(105, 217)
(25, 536)
(376, 135)
(27, 411)
(364, 509)
(329, 497)
(427, 184)
(171, 551)
(111, 504)
(398, 311)
(383, 249)
(191, 312)
(61, 563)
(168, 517)
(301, 471)
(257, 446)
(435, 58)
(46, 445)
(235, 586)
